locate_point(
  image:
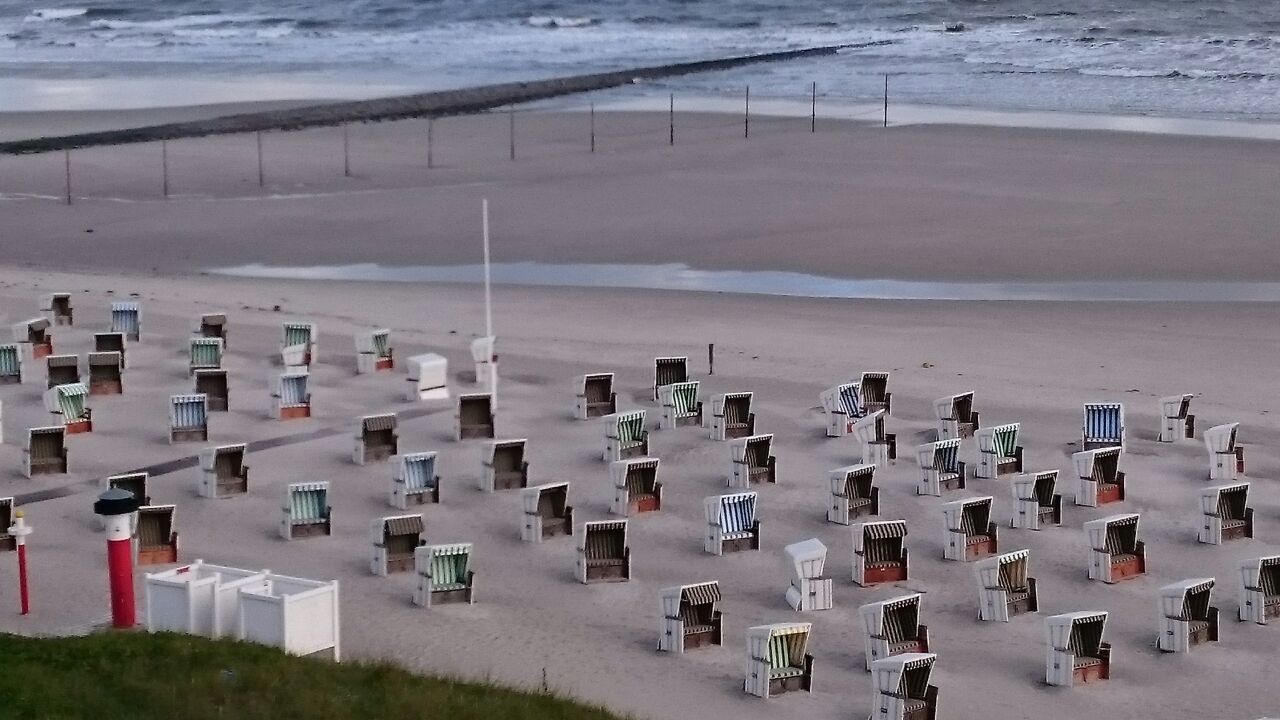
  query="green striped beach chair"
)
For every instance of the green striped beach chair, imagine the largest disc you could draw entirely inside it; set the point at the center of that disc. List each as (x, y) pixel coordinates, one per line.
(941, 468)
(680, 405)
(778, 660)
(998, 451)
(10, 364)
(444, 574)
(298, 344)
(212, 325)
(373, 351)
(126, 318)
(306, 510)
(625, 436)
(70, 401)
(204, 354)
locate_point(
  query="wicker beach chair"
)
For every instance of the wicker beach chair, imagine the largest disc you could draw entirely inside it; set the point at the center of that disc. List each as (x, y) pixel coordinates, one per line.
(415, 481)
(956, 417)
(1116, 552)
(376, 439)
(752, 461)
(778, 659)
(444, 574)
(1004, 588)
(691, 617)
(1187, 615)
(853, 494)
(970, 533)
(879, 554)
(636, 489)
(732, 523)
(603, 552)
(893, 627)
(1077, 653)
(394, 540)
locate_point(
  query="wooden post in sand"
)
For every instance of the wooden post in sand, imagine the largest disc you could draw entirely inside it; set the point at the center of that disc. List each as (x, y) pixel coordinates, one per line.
(886, 100)
(431, 123)
(511, 114)
(746, 114)
(671, 121)
(261, 175)
(66, 154)
(346, 151)
(813, 110)
(164, 168)
(711, 358)
(593, 127)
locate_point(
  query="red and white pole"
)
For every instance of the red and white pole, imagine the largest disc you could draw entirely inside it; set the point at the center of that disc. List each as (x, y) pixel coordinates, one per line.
(19, 530)
(116, 507)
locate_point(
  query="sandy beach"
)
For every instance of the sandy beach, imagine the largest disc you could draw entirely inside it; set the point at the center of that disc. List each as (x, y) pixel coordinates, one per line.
(854, 201)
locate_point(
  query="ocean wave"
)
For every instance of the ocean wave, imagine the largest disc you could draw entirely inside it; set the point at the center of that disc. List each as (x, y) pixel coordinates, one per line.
(182, 21)
(49, 14)
(550, 21)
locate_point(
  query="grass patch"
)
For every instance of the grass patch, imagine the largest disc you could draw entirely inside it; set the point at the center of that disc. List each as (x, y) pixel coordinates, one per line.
(139, 676)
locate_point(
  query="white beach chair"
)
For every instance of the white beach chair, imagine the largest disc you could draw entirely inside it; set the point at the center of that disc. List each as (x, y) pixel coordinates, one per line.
(956, 417)
(1075, 652)
(808, 590)
(1187, 615)
(1004, 588)
(892, 627)
(1177, 422)
(428, 376)
(691, 617)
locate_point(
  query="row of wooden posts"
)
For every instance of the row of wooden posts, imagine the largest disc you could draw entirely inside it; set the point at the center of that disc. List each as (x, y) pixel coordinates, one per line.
(511, 115)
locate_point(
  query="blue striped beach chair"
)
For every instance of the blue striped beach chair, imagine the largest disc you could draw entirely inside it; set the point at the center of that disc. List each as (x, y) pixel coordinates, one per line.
(188, 418)
(843, 404)
(126, 318)
(732, 525)
(1103, 426)
(416, 481)
(306, 510)
(290, 397)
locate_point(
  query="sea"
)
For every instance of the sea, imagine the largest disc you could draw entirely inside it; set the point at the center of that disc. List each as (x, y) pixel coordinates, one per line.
(1165, 58)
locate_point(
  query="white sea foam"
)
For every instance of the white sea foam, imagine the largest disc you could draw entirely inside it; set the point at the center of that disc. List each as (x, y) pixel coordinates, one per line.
(48, 14)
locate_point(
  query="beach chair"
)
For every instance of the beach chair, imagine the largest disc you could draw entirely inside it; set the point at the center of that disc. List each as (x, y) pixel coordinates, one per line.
(731, 416)
(415, 481)
(213, 385)
(57, 307)
(1187, 615)
(970, 533)
(603, 552)
(188, 418)
(290, 398)
(1225, 514)
(504, 466)
(680, 405)
(669, 370)
(1260, 589)
(732, 524)
(484, 353)
(135, 484)
(156, 537)
(595, 397)
(956, 417)
(376, 439)
(902, 689)
(1004, 589)
(44, 451)
(893, 627)
(636, 488)
(444, 575)
(212, 325)
(853, 494)
(1076, 651)
(428, 377)
(10, 364)
(1103, 426)
(778, 659)
(373, 351)
(395, 539)
(1116, 552)
(306, 510)
(298, 344)
(223, 472)
(1226, 455)
(105, 373)
(625, 436)
(808, 590)
(547, 512)
(126, 318)
(874, 390)
(941, 468)
(70, 403)
(1101, 479)
(33, 337)
(1177, 422)
(752, 461)
(878, 552)
(204, 354)
(473, 417)
(62, 369)
(8, 543)
(998, 451)
(1035, 502)
(843, 405)
(878, 447)
(112, 342)
(691, 617)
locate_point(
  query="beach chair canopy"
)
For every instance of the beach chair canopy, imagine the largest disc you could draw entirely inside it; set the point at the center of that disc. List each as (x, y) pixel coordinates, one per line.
(785, 646)
(1187, 600)
(296, 333)
(1007, 571)
(1176, 406)
(852, 481)
(206, 352)
(1115, 535)
(155, 525)
(31, 331)
(1221, 438)
(1079, 633)
(376, 342)
(628, 427)
(291, 388)
(942, 456)
(735, 514)
(604, 540)
(10, 361)
(806, 558)
(845, 398)
(954, 407)
(546, 501)
(1001, 440)
(1104, 422)
(905, 676)
(870, 428)
(881, 541)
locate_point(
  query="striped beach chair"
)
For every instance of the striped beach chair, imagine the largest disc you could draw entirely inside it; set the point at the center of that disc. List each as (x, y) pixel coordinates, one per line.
(1035, 502)
(732, 524)
(594, 396)
(1103, 426)
(1116, 552)
(126, 318)
(1101, 479)
(956, 416)
(376, 439)
(680, 405)
(290, 397)
(547, 512)
(998, 451)
(901, 688)
(853, 494)
(62, 369)
(691, 617)
(298, 344)
(223, 471)
(636, 488)
(1260, 589)
(892, 627)
(156, 536)
(106, 376)
(204, 354)
(625, 436)
(373, 351)
(71, 403)
(603, 552)
(1225, 514)
(395, 540)
(504, 466)
(306, 510)
(970, 533)
(874, 389)
(778, 659)
(416, 481)
(669, 370)
(1187, 615)
(1004, 588)
(879, 555)
(731, 416)
(1076, 650)
(444, 574)
(188, 418)
(752, 461)
(940, 467)
(213, 385)
(44, 451)
(843, 405)
(10, 364)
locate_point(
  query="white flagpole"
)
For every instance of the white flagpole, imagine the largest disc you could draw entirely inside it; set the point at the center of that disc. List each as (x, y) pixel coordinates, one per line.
(488, 303)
